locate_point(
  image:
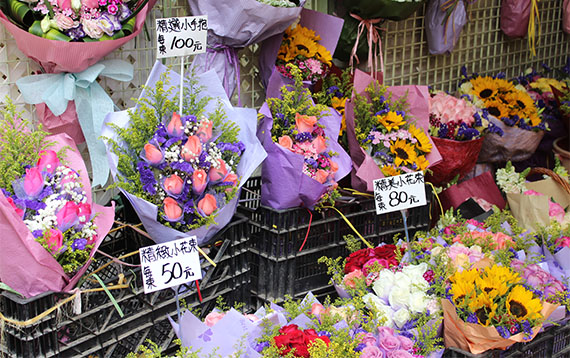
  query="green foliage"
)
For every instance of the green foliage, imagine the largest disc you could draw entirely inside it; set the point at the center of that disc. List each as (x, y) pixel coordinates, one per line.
(344, 84)
(19, 146)
(353, 243)
(428, 340)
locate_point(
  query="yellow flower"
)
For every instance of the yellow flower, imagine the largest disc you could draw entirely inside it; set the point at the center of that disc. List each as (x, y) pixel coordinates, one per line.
(404, 152)
(463, 292)
(497, 108)
(484, 87)
(338, 104)
(502, 273)
(390, 171)
(535, 120)
(544, 84)
(391, 120)
(493, 286)
(422, 162)
(468, 276)
(522, 305)
(484, 308)
(520, 104)
(423, 143)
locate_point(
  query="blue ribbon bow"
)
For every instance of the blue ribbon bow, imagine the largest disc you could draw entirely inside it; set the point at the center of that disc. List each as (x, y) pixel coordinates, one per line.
(91, 102)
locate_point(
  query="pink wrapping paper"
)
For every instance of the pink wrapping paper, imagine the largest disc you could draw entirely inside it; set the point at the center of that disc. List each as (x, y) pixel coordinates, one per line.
(25, 265)
(67, 122)
(60, 56)
(515, 15)
(365, 168)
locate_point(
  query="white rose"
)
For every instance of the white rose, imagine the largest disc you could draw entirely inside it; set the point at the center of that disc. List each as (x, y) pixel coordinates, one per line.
(415, 271)
(402, 280)
(399, 297)
(401, 316)
(418, 302)
(384, 283)
(383, 311)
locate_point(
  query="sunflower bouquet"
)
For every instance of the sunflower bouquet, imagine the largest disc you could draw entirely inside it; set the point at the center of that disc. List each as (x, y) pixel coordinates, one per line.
(491, 308)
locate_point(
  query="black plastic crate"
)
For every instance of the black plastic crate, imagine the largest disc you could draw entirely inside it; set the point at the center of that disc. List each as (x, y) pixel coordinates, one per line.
(99, 331)
(539, 347)
(279, 268)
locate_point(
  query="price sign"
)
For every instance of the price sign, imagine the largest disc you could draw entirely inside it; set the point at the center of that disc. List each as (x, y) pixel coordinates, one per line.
(181, 36)
(399, 192)
(170, 264)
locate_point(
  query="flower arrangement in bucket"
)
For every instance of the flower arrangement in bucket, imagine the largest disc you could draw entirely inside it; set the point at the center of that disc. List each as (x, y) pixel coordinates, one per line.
(186, 168)
(53, 229)
(457, 128)
(514, 111)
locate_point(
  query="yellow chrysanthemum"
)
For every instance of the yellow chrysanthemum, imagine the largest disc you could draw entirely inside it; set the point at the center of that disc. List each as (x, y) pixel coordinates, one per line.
(422, 163)
(522, 305)
(520, 104)
(484, 87)
(497, 109)
(484, 308)
(423, 143)
(404, 152)
(390, 171)
(391, 120)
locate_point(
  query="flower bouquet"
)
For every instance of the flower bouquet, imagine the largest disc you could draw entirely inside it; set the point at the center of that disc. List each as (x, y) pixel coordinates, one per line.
(566, 16)
(235, 25)
(52, 228)
(514, 111)
(182, 172)
(307, 44)
(457, 128)
(520, 18)
(444, 22)
(305, 160)
(386, 131)
(491, 308)
(555, 248)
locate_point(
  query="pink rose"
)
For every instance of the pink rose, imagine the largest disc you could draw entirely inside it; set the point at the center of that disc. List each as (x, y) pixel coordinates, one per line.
(536, 276)
(334, 166)
(152, 154)
(84, 212)
(457, 249)
(317, 309)
(563, 241)
(172, 209)
(556, 211)
(385, 331)
(64, 22)
(286, 142)
(389, 343)
(503, 240)
(533, 193)
(321, 176)
(54, 240)
(48, 161)
(367, 338)
(349, 279)
(370, 263)
(212, 318)
(64, 4)
(305, 123)
(400, 353)
(173, 185)
(199, 181)
(231, 178)
(405, 343)
(91, 4)
(554, 287)
(175, 127)
(208, 204)
(192, 148)
(205, 130)
(19, 211)
(33, 182)
(320, 144)
(517, 265)
(371, 352)
(217, 174)
(67, 216)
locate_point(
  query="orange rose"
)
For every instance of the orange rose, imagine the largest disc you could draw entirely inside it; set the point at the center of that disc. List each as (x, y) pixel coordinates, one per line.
(334, 166)
(305, 123)
(320, 144)
(322, 176)
(205, 130)
(172, 210)
(199, 181)
(286, 142)
(217, 174)
(208, 204)
(192, 149)
(173, 184)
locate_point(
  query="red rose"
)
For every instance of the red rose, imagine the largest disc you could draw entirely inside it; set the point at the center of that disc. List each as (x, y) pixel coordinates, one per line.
(301, 350)
(385, 251)
(357, 259)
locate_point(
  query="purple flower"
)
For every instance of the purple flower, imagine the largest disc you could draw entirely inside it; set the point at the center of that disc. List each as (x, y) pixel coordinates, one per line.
(78, 244)
(261, 346)
(472, 318)
(304, 137)
(37, 233)
(147, 178)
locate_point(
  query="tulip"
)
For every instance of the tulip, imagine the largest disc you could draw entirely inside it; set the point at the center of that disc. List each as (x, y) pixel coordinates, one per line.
(199, 181)
(152, 154)
(67, 216)
(48, 161)
(192, 149)
(217, 174)
(175, 127)
(33, 182)
(320, 144)
(173, 185)
(207, 204)
(205, 130)
(172, 210)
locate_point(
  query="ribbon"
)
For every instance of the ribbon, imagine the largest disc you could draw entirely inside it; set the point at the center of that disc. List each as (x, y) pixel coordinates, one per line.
(373, 39)
(533, 20)
(231, 59)
(91, 102)
(448, 7)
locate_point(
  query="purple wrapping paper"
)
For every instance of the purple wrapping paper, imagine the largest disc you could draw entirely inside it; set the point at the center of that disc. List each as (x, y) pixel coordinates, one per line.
(251, 158)
(327, 26)
(440, 38)
(558, 263)
(284, 185)
(237, 24)
(365, 168)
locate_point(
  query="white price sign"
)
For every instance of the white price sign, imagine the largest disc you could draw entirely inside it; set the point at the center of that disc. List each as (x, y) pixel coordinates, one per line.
(399, 192)
(170, 264)
(181, 36)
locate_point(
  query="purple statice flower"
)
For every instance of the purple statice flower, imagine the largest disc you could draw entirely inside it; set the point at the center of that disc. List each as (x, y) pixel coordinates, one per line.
(147, 178)
(304, 137)
(190, 118)
(514, 253)
(466, 132)
(237, 148)
(78, 244)
(464, 72)
(281, 118)
(189, 207)
(542, 126)
(382, 112)
(37, 233)
(503, 331)
(183, 167)
(401, 113)
(48, 190)
(259, 347)
(203, 162)
(495, 129)
(409, 325)
(311, 162)
(160, 134)
(501, 75)
(511, 121)
(478, 121)
(524, 125)
(472, 318)
(325, 333)
(34, 205)
(443, 130)
(360, 347)
(407, 334)
(76, 33)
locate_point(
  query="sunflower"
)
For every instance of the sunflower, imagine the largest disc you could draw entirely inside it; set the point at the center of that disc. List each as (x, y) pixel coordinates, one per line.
(391, 120)
(520, 104)
(423, 143)
(484, 308)
(468, 276)
(535, 120)
(497, 108)
(404, 152)
(422, 162)
(522, 305)
(493, 286)
(338, 104)
(484, 87)
(502, 273)
(323, 55)
(390, 171)
(302, 47)
(463, 292)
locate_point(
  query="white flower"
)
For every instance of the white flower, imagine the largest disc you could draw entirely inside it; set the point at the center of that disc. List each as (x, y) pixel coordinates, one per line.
(418, 302)
(402, 280)
(384, 311)
(384, 283)
(415, 272)
(399, 297)
(401, 316)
